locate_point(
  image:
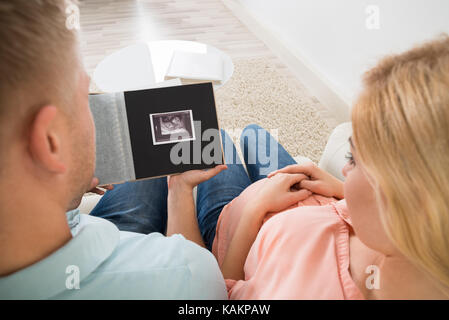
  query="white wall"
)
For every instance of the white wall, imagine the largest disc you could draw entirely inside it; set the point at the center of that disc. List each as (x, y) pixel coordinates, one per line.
(332, 37)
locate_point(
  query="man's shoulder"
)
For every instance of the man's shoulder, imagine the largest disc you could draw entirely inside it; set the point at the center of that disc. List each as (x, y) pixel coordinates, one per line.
(142, 266)
(156, 267)
(134, 251)
(139, 251)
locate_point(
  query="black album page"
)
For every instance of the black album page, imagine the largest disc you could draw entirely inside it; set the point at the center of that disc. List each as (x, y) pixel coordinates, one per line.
(173, 129)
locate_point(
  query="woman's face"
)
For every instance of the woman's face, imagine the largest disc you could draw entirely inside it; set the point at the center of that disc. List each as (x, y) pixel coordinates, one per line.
(362, 206)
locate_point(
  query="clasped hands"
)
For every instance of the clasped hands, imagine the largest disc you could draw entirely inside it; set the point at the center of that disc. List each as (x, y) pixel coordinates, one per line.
(282, 188)
(289, 185)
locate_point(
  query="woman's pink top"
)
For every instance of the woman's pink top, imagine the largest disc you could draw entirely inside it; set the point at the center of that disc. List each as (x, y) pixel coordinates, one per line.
(300, 253)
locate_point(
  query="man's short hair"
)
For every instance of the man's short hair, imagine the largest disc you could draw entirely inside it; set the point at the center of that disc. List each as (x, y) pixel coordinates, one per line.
(35, 51)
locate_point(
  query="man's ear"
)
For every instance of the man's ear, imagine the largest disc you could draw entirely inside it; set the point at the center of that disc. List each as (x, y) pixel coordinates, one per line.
(44, 143)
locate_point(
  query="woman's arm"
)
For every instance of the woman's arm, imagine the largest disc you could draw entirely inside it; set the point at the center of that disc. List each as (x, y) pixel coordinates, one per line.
(278, 193)
(244, 236)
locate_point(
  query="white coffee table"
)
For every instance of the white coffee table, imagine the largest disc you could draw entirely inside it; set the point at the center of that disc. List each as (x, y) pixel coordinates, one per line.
(143, 65)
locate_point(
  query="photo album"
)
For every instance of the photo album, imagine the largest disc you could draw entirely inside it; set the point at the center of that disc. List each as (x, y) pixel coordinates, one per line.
(155, 132)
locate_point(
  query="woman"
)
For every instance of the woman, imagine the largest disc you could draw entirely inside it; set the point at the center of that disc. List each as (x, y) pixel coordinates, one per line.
(387, 239)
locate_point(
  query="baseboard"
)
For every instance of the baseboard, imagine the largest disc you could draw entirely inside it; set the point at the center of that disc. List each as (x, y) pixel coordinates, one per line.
(313, 80)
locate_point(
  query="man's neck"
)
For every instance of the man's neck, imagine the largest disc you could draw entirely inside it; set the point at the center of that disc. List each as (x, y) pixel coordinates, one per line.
(31, 228)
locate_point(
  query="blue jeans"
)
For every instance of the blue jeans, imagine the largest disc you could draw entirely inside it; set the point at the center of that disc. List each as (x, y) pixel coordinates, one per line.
(141, 206)
(262, 153)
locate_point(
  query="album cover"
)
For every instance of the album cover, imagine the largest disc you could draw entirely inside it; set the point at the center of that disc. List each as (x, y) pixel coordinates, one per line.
(155, 132)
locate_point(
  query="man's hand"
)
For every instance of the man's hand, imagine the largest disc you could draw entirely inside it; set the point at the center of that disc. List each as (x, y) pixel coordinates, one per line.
(95, 188)
(319, 182)
(192, 178)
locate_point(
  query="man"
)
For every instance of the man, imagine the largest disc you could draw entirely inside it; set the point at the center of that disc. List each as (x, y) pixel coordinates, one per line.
(47, 148)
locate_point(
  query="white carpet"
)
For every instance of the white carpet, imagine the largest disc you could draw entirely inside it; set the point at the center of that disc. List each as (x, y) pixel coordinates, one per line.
(258, 93)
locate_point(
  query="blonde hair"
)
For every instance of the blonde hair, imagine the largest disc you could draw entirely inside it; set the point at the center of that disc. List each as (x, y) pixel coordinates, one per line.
(401, 132)
(35, 53)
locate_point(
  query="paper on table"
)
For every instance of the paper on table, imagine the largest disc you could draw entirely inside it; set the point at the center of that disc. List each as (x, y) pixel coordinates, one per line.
(167, 83)
(130, 68)
(189, 65)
